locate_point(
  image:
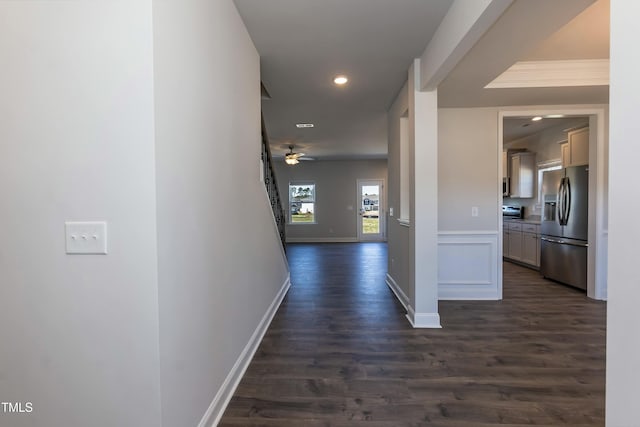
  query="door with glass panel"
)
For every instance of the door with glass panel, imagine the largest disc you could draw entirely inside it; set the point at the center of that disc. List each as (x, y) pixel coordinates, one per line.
(371, 217)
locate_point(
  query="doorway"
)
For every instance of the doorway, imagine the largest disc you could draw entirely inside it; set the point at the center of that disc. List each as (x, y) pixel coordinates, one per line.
(597, 183)
(371, 225)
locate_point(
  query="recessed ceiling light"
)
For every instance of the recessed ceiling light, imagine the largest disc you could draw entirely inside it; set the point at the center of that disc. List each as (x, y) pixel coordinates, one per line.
(340, 80)
(304, 125)
(537, 118)
(554, 116)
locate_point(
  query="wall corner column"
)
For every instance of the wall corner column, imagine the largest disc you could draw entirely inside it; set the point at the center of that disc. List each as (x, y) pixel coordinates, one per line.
(423, 238)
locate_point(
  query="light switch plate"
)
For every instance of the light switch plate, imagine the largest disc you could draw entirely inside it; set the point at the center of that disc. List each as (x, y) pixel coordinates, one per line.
(86, 237)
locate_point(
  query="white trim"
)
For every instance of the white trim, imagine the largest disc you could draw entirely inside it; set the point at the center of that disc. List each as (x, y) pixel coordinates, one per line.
(399, 293)
(550, 163)
(404, 222)
(423, 320)
(468, 233)
(315, 202)
(558, 73)
(322, 239)
(463, 25)
(217, 407)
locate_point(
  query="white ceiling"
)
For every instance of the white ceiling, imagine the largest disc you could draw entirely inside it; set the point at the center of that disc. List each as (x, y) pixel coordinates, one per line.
(303, 44)
(530, 30)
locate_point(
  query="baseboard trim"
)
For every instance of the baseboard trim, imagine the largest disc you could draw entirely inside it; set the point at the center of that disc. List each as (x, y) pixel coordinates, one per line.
(423, 320)
(216, 409)
(399, 293)
(322, 239)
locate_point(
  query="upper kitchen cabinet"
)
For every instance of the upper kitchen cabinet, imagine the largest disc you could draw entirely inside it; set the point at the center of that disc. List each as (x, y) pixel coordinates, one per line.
(575, 152)
(522, 167)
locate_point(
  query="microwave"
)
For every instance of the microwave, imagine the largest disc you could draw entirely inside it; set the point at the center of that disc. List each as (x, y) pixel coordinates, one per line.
(505, 187)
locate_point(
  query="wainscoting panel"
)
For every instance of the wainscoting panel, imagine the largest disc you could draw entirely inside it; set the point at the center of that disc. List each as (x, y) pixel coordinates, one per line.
(468, 265)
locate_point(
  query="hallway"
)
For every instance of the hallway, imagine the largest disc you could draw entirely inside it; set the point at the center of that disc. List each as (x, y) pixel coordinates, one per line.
(340, 352)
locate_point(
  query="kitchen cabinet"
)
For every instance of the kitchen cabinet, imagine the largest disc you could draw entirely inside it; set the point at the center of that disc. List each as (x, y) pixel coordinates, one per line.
(531, 244)
(522, 167)
(575, 152)
(515, 241)
(521, 242)
(505, 241)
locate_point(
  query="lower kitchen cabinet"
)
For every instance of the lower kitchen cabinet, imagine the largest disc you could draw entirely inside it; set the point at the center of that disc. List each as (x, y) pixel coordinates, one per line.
(531, 249)
(521, 242)
(505, 241)
(515, 245)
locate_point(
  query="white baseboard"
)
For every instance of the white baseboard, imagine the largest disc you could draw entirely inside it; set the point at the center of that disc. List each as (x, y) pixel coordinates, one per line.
(399, 293)
(423, 320)
(322, 239)
(216, 409)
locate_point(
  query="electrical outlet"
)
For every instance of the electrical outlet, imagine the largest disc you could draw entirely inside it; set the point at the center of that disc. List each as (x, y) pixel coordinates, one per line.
(474, 211)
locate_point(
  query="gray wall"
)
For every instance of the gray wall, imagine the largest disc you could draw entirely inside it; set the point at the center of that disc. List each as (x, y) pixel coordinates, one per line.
(336, 195)
(219, 257)
(123, 111)
(468, 169)
(398, 235)
(79, 333)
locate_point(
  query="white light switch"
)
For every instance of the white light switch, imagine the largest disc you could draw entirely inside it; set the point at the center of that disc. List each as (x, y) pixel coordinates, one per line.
(86, 237)
(390, 211)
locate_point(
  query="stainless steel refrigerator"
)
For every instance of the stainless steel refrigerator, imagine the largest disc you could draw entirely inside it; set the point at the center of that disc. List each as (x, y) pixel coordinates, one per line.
(564, 229)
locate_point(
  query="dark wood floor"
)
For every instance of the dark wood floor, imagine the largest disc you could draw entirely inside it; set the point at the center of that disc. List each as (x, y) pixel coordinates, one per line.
(340, 352)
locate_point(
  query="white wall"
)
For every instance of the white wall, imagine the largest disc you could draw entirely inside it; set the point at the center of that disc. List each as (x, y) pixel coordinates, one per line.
(336, 195)
(79, 332)
(219, 257)
(623, 345)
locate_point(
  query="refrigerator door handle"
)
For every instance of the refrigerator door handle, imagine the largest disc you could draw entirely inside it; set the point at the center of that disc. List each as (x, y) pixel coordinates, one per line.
(563, 242)
(560, 203)
(567, 207)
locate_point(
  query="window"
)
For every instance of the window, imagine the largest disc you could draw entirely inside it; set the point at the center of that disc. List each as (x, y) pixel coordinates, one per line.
(405, 194)
(543, 167)
(302, 203)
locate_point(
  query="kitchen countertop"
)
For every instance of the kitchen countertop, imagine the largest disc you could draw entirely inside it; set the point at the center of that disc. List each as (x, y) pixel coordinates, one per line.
(524, 221)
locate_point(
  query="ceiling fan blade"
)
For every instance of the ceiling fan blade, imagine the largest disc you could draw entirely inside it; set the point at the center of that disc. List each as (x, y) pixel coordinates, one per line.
(306, 158)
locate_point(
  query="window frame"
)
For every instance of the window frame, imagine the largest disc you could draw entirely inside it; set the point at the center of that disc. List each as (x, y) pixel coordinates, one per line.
(291, 201)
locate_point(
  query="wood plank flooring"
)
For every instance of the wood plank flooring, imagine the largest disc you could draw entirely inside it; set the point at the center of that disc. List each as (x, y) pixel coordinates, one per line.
(340, 352)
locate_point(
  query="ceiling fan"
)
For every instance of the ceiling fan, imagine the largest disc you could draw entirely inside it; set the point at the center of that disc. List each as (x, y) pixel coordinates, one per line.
(292, 158)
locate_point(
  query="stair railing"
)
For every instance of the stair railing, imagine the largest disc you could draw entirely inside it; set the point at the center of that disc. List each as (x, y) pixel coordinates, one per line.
(272, 187)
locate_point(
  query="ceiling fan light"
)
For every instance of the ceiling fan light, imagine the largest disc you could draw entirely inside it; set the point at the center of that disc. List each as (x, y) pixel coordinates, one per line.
(340, 80)
(291, 160)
